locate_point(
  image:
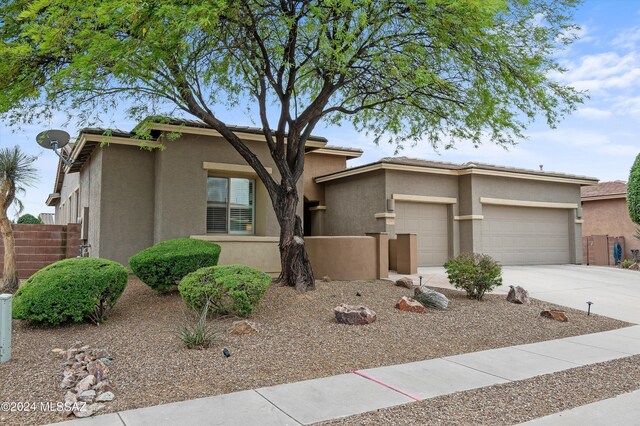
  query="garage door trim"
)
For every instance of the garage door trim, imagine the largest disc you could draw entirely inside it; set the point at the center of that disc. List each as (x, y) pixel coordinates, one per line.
(523, 203)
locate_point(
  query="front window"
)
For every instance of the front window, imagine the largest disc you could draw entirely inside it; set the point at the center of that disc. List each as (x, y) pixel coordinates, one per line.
(230, 205)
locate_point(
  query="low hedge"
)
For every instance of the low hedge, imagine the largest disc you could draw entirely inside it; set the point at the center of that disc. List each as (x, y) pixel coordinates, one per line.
(475, 273)
(163, 265)
(71, 290)
(229, 289)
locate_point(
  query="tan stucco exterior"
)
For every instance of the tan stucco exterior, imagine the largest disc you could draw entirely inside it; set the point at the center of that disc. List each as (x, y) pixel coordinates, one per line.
(610, 217)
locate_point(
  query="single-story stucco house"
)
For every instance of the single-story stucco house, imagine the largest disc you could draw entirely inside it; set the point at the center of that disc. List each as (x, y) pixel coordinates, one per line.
(129, 198)
(606, 214)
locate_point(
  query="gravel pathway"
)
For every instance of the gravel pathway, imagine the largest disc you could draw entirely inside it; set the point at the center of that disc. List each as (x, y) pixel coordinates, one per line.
(298, 340)
(514, 402)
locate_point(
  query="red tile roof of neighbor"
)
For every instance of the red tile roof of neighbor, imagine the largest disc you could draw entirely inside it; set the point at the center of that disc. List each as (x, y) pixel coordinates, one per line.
(613, 189)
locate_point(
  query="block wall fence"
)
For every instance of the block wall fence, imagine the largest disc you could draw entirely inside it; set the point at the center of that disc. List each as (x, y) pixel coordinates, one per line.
(40, 245)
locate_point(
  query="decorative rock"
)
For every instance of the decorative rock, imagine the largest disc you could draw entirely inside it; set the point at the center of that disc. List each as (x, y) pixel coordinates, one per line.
(405, 282)
(103, 386)
(634, 267)
(97, 369)
(430, 298)
(354, 315)
(71, 354)
(408, 304)
(67, 382)
(555, 315)
(106, 361)
(88, 410)
(518, 295)
(105, 397)
(58, 351)
(86, 383)
(326, 279)
(239, 328)
(87, 395)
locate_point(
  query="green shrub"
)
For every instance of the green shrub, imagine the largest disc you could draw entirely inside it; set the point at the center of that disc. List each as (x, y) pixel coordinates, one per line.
(162, 266)
(71, 290)
(626, 263)
(475, 273)
(29, 219)
(229, 289)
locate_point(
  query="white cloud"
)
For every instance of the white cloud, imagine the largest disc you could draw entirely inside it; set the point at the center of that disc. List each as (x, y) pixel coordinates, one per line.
(593, 113)
(627, 39)
(603, 71)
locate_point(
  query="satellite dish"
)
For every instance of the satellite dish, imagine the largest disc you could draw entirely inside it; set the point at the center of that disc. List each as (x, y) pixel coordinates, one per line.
(52, 139)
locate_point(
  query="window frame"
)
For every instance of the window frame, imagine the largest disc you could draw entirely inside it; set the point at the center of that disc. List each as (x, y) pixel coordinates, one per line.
(252, 197)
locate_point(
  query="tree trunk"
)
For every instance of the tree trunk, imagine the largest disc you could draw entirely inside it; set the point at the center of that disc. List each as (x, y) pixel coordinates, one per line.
(296, 269)
(10, 280)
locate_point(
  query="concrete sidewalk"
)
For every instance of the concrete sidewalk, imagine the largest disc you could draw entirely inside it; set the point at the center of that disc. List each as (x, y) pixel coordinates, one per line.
(312, 401)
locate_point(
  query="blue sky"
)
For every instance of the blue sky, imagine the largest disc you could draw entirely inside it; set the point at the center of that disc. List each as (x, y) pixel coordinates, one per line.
(600, 139)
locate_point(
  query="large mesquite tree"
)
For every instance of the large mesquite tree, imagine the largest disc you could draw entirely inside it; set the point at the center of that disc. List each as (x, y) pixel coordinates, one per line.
(406, 71)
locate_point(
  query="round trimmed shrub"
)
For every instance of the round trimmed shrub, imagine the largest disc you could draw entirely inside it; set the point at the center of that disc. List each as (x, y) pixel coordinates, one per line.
(163, 265)
(29, 219)
(229, 289)
(71, 290)
(475, 273)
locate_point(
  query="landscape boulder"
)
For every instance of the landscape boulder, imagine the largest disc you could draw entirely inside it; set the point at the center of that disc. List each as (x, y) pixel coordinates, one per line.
(408, 304)
(354, 315)
(405, 282)
(555, 315)
(239, 328)
(518, 295)
(430, 298)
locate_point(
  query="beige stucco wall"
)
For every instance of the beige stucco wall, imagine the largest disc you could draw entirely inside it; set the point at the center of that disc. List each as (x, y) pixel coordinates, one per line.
(127, 201)
(610, 217)
(343, 258)
(352, 203)
(181, 186)
(90, 196)
(318, 164)
(258, 252)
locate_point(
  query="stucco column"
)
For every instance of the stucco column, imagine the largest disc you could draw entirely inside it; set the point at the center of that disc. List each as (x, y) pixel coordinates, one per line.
(407, 254)
(382, 253)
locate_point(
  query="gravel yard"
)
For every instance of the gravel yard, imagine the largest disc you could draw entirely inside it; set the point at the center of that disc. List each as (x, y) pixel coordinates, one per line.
(298, 339)
(514, 402)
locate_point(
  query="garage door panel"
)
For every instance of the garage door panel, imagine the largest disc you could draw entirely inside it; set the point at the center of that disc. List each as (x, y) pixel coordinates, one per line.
(525, 236)
(429, 222)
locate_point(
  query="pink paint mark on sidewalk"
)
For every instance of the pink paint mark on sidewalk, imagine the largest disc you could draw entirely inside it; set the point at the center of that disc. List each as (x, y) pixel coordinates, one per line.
(373, 379)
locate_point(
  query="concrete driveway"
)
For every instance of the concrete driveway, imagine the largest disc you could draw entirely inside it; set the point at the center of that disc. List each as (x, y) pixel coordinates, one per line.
(615, 293)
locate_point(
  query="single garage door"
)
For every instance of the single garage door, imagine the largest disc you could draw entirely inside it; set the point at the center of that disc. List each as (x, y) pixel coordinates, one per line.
(429, 222)
(526, 235)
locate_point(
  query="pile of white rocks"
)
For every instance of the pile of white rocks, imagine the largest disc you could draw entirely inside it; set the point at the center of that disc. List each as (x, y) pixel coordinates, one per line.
(85, 379)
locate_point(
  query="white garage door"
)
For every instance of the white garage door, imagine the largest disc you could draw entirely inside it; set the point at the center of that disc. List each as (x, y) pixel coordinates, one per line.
(429, 222)
(525, 235)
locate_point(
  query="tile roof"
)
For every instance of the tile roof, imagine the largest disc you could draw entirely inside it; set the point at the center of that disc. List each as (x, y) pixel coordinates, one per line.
(475, 165)
(197, 123)
(605, 189)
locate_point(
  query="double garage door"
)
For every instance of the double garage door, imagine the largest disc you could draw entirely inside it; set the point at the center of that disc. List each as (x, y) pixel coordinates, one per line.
(526, 235)
(511, 235)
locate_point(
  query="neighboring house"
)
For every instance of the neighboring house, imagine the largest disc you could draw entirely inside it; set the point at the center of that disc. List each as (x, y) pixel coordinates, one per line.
(606, 214)
(198, 186)
(47, 218)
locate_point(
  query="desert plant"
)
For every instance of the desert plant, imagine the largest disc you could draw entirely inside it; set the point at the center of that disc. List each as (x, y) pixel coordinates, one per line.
(17, 171)
(229, 289)
(626, 263)
(163, 265)
(475, 273)
(71, 290)
(199, 335)
(29, 219)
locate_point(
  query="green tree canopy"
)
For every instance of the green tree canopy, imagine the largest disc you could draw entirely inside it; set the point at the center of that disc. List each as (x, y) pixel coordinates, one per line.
(633, 193)
(418, 70)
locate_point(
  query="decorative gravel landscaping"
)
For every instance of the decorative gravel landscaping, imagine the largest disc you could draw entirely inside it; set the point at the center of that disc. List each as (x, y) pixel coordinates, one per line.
(298, 339)
(515, 402)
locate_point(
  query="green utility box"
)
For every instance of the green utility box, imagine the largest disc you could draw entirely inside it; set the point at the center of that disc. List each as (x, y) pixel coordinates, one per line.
(5, 327)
